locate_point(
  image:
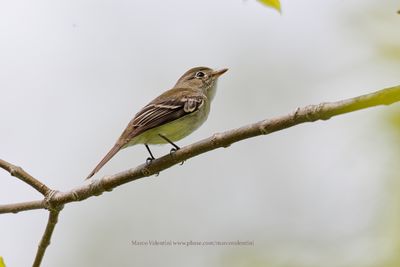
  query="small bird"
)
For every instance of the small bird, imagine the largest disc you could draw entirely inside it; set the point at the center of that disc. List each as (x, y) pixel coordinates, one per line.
(171, 116)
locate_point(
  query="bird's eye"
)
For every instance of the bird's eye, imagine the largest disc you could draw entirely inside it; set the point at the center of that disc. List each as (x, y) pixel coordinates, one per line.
(200, 74)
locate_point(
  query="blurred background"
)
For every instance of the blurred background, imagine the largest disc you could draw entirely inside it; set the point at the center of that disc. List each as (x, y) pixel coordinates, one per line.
(73, 73)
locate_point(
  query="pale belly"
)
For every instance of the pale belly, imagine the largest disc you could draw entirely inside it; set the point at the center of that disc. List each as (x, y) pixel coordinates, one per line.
(174, 130)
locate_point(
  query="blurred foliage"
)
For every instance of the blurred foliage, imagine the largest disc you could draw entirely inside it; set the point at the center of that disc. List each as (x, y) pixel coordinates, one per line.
(275, 4)
(2, 264)
(379, 27)
(382, 31)
(391, 222)
(394, 123)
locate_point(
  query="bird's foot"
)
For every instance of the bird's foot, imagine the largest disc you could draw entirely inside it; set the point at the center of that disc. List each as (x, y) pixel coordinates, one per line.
(149, 160)
(173, 150)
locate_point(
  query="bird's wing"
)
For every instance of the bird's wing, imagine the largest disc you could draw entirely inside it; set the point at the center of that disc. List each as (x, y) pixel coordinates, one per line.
(163, 109)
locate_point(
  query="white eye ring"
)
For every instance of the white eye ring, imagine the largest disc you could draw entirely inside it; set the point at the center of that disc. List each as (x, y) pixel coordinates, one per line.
(200, 74)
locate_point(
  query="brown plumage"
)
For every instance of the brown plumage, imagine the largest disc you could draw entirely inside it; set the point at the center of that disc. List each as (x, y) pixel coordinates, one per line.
(190, 96)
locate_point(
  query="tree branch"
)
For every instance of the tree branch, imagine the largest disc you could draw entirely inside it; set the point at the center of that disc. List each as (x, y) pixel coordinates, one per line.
(55, 200)
(22, 206)
(24, 176)
(311, 113)
(45, 241)
(45, 204)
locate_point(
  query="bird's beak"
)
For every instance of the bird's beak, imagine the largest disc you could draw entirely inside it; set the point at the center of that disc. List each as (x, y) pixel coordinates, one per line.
(218, 73)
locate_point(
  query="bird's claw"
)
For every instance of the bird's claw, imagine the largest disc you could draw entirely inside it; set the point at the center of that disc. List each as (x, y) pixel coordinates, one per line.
(149, 160)
(173, 150)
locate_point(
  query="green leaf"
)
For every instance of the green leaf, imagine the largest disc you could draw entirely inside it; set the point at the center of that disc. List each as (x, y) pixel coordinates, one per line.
(2, 264)
(275, 4)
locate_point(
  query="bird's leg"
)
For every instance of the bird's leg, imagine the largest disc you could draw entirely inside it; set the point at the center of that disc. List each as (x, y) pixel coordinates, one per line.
(175, 146)
(151, 158)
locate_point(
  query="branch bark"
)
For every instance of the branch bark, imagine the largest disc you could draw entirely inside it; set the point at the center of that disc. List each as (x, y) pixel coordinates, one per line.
(45, 241)
(18, 172)
(22, 206)
(311, 113)
(55, 200)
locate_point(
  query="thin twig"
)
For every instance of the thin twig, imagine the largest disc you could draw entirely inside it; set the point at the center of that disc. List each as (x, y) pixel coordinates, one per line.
(24, 176)
(22, 206)
(45, 241)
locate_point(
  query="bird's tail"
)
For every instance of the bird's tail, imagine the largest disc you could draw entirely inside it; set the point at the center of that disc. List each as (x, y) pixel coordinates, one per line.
(117, 147)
